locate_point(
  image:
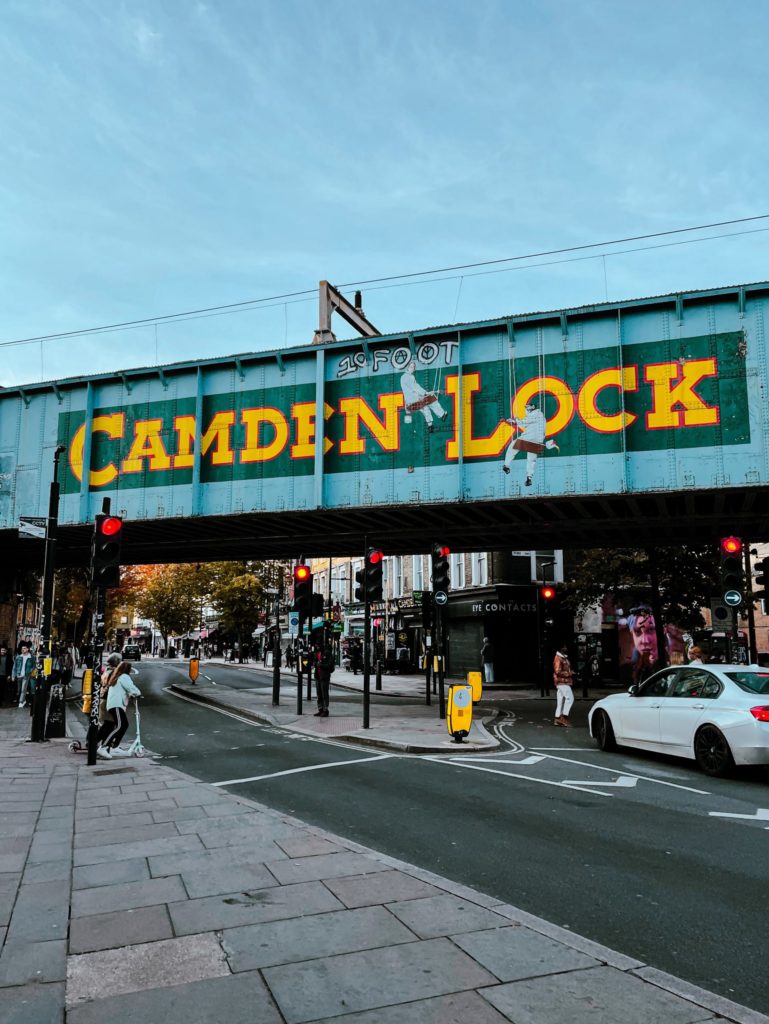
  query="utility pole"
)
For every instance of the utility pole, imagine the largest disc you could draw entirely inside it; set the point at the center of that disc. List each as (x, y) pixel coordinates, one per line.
(45, 651)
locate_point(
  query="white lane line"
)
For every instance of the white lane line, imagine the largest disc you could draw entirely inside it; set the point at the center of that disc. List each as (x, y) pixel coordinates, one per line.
(624, 782)
(632, 775)
(513, 775)
(533, 759)
(306, 768)
(762, 814)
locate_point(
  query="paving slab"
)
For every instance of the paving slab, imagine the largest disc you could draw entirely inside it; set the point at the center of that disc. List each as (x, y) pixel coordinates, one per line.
(118, 834)
(121, 928)
(41, 913)
(127, 896)
(601, 995)
(253, 908)
(261, 852)
(110, 873)
(237, 999)
(444, 915)
(461, 1008)
(32, 1004)
(381, 977)
(514, 953)
(305, 844)
(23, 963)
(387, 886)
(308, 938)
(236, 877)
(330, 865)
(124, 821)
(178, 813)
(129, 851)
(48, 871)
(146, 966)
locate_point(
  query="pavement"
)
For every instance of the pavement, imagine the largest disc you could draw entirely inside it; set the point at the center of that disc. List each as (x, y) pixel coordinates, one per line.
(131, 891)
(405, 723)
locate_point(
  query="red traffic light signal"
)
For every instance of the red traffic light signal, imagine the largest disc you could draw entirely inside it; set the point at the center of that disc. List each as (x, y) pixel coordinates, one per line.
(374, 557)
(441, 551)
(301, 572)
(109, 526)
(303, 590)
(731, 545)
(547, 593)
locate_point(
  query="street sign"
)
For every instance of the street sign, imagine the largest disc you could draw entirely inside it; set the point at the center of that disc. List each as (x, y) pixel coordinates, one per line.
(32, 527)
(416, 597)
(441, 597)
(732, 598)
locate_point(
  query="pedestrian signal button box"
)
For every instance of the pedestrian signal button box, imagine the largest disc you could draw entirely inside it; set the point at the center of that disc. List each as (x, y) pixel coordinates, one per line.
(459, 711)
(474, 681)
(87, 690)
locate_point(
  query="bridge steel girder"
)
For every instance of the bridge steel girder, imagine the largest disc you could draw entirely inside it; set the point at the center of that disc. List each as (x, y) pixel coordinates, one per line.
(629, 423)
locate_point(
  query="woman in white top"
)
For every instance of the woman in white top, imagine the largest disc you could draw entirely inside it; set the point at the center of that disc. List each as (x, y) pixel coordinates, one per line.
(119, 689)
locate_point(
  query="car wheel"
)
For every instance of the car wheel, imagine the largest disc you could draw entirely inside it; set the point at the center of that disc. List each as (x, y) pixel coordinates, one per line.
(604, 731)
(711, 751)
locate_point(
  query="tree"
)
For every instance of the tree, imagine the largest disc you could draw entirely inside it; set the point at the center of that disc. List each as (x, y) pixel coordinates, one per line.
(237, 594)
(171, 598)
(687, 578)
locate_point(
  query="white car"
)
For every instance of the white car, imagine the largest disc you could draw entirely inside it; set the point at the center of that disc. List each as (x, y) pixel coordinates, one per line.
(716, 714)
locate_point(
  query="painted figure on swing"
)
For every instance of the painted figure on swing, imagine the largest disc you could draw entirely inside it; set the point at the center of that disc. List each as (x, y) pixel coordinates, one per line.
(418, 399)
(533, 425)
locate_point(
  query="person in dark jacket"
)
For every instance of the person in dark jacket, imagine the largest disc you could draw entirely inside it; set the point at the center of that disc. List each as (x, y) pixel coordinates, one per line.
(324, 666)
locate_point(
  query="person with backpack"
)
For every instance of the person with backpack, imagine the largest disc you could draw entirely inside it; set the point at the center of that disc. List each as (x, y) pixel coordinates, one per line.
(324, 666)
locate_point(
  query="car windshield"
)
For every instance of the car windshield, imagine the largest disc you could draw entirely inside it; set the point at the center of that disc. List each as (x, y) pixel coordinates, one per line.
(751, 682)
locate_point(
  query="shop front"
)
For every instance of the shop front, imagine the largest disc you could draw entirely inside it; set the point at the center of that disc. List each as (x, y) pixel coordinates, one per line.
(507, 615)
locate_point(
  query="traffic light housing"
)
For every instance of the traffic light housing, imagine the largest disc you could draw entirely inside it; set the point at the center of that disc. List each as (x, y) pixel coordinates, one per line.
(441, 574)
(732, 571)
(369, 578)
(427, 609)
(761, 579)
(547, 592)
(317, 606)
(105, 551)
(303, 590)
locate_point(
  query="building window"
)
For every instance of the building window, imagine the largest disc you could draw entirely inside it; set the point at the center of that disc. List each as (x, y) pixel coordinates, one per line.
(457, 571)
(480, 564)
(418, 571)
(386, 578)
(397, 576)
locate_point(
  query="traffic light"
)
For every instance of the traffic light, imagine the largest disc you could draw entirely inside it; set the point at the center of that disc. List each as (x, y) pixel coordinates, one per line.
(317, 606)
(303, 590)
(547, 592)
(732, 572)
(761, 579)
(105, 551)
(427, 609)
(441, 573)
(369, 578)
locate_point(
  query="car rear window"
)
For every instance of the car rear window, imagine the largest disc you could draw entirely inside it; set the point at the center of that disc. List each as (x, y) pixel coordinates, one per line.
(751, 682)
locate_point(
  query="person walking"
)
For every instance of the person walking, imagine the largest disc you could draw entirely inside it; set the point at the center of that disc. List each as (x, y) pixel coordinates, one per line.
(563, 677)
(23, 666)
(324, 666)
(487, 660)
(119, 689)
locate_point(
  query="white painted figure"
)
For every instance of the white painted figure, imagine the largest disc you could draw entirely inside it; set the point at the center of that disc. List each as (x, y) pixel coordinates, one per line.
(533, 426)
(418, 399)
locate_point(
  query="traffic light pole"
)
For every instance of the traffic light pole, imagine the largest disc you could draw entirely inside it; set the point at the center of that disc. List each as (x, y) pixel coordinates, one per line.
(299, 658)
(97, 632)
(441, 673)
(366, 645)
(276, 653)
(40, 696)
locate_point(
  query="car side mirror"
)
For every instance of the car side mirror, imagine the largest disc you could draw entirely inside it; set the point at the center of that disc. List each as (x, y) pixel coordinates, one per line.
(633, 691)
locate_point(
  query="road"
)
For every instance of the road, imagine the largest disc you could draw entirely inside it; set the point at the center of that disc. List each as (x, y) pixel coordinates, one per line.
(630, 851)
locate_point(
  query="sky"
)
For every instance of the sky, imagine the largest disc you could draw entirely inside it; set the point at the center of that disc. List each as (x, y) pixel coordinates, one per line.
(166, 156)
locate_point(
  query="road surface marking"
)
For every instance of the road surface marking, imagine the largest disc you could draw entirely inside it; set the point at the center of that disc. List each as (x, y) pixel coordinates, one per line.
(297, 771)
(762, 814)
(513, 775)
(624, 781)
(533, 759)
(634, 775)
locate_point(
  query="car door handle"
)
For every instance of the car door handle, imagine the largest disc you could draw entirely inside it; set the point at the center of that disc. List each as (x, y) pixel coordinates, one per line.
(698, 705)
(655, 705)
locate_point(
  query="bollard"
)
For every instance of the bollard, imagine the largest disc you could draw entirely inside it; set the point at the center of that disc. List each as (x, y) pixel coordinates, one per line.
(378, 683)
(459, 712)
(194, 669)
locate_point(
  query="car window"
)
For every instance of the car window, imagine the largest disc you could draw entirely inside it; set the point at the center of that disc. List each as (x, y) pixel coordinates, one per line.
(695, 683)
(751, 682)
(657, 686)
